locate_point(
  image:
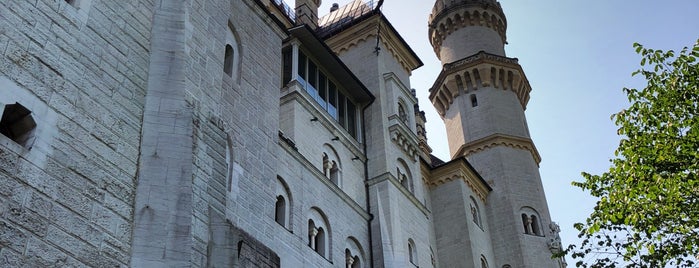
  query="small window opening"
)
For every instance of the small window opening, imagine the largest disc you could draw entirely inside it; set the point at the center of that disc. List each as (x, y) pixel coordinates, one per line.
(71, 2)
(335, 173)
(320, 242)
(535, 225)
(484, 263)
(351, 261)
(474, 100)
(228, 60)
(18, 125)
(525, 223)
(412, 252)
(280, 211)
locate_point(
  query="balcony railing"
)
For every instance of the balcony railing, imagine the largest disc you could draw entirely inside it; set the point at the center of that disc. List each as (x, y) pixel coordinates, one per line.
(286, 9)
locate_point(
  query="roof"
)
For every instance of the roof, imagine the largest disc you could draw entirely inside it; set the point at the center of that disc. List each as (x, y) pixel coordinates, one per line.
(345, 16)
(327, 58)
(355, 13)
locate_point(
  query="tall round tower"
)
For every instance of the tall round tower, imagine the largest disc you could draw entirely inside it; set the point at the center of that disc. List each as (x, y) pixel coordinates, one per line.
(481, 95)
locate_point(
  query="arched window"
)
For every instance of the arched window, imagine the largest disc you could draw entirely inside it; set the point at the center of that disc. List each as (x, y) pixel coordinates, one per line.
(312, 232)
(412, 252)
(535, 225)
(531, 222)
(319, 233)
(484, 263)
(18, 124)
(526, 224)
(228, 60)
(354, 253)
(351, 260)
(320, 242)
(404, 176)
(331, 165)
(280, 211)
(283, 204)
(231, 55)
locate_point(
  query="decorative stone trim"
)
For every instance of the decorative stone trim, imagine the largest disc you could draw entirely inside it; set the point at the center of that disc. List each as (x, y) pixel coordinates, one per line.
(459, 169)
(368, 31)
(476, 72)
(499, 140)
(465, 15)
(403, 138)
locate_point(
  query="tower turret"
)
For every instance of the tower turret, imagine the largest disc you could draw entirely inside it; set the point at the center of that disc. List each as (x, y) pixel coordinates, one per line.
(481, 95)
(461, 28)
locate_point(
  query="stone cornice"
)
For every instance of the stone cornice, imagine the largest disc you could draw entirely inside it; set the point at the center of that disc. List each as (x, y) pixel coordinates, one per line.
(368, 30)
(476, 72)
(459, 169)
(466, 14)
(499, 140)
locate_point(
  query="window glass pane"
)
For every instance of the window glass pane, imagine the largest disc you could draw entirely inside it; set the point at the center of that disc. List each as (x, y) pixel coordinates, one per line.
(352, 119)
(341, 109)
(286, 61)
(312, 74)
(302, 65)
(322, 88)
(332, 101)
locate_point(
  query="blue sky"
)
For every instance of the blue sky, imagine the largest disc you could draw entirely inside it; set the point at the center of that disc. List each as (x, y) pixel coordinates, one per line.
(578, 56)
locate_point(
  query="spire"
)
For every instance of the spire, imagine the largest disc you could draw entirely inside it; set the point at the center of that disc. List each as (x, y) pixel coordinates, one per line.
(462, 28)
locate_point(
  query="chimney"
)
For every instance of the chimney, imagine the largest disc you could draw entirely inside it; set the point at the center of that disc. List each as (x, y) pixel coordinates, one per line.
(307, 12)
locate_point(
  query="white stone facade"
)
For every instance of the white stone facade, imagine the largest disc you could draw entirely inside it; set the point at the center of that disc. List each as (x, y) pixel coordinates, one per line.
(223, 133)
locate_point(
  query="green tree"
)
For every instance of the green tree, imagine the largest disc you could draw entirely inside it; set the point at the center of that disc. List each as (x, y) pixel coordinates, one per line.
(648, 209)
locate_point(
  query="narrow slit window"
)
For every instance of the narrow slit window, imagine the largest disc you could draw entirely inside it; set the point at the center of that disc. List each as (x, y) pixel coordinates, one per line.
(474, 100)
(228, 60)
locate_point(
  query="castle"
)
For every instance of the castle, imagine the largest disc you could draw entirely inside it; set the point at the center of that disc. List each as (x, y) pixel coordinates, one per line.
(246, 133)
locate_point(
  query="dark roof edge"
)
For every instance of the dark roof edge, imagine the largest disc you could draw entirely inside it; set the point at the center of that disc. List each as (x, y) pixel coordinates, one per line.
(274, 18)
